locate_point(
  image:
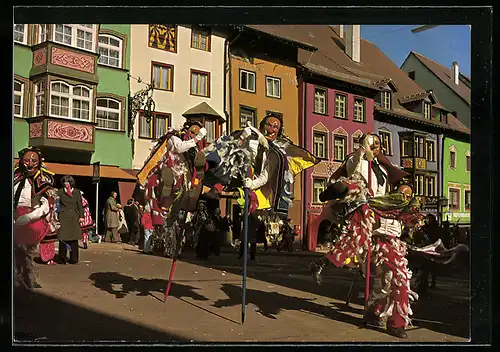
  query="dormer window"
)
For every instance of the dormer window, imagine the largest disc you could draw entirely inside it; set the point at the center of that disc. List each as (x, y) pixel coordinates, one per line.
(386, 100)
(427, 111)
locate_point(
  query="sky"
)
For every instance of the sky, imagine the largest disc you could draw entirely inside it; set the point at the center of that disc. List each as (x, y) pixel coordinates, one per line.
(443, 44)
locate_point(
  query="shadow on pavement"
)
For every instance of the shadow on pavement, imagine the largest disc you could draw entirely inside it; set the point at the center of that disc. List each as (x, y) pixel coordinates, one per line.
(143, 287)
(270, 304)
(293, 272)
(39, 318)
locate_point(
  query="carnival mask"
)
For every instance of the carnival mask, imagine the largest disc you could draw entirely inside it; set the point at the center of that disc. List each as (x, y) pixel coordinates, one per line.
(405, 191)
(271, 128)
(373, 148)
(192, 132)
(31, 162)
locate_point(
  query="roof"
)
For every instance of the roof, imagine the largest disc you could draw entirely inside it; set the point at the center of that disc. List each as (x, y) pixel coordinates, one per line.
(457, 124)
(202, 109)
(444, 74)
(277, 33)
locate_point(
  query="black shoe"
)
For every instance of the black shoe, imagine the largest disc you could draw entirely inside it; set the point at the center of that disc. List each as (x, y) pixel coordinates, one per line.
(398, 332)
(85, 246)
(373, 320)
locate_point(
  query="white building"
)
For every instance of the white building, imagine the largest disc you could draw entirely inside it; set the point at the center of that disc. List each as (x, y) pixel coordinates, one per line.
(186, 66)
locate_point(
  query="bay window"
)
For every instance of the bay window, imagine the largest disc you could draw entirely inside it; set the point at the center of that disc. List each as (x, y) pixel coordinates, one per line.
(40, 88)
(70, 101)
(76, 35)
(18, 98)
(21, 33)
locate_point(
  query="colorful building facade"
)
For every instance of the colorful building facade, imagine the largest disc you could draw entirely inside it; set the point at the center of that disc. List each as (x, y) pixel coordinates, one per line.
(70, 100)
(185, 66)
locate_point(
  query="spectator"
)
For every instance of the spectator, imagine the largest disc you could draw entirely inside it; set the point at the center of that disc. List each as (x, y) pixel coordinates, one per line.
(147, 225)
(71, 214)
(216, 237)
(131, 212)
(122, 224)
(111, 219)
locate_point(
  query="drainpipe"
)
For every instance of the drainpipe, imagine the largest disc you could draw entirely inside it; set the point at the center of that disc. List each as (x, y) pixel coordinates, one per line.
(441, 176)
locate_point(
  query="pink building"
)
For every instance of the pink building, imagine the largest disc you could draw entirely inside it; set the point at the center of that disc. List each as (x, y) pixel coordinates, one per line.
(334, 117)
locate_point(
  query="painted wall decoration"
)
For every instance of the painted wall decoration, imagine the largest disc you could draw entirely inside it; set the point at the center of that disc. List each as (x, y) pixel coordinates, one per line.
(421, 163)
(163, 36)
(69, 131)
(66, 58)
(36, 129)
(40, 57)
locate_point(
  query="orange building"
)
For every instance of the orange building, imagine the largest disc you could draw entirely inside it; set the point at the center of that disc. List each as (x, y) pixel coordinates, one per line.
(262, 77)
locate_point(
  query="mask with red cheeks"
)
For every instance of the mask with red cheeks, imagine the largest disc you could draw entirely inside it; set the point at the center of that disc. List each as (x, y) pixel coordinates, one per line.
(192, 132)
(271, 128)
(31, 162)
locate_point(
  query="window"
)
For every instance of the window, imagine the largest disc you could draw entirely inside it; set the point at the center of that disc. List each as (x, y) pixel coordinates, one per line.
(339, 147)
(43, 29)
(163, 36)
(430, 186)
(429, 151)
(210, 127)
(108, 113)
(77, 35)
(318, 187)
(18, 98)
(110, 50)
(386, 100)
(200, 83)
(40, 88)
(427, 111)
(406, 147)
(70, 101)
(155, 128)
(320, 145)
(453, 159)
(247, 114)
(419, 147)
(419, 185)
(467, 199)
(467, 163)
(411, 74)
(320, 101)
(386, 140)
(454, 195)
(340, 106)
(200, 39)
(247, 81)
(273, 87)
(356, 143)
(359, 110)
(163, 76)
(20, 33)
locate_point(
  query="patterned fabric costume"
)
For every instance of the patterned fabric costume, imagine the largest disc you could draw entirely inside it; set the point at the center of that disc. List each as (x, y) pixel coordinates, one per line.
(170, 182)
(34, 214)
(274, 161)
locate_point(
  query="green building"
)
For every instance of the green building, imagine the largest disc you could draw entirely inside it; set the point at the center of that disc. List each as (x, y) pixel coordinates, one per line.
(452, 89)
(71, 94)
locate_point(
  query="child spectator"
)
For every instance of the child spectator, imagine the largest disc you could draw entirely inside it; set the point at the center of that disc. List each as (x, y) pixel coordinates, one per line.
(147, 225)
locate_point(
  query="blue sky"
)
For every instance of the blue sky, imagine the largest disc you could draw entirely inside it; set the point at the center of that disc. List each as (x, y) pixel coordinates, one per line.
(443, 44)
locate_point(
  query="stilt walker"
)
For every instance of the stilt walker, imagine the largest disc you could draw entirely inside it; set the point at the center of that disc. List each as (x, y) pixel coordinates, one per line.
(178, 244)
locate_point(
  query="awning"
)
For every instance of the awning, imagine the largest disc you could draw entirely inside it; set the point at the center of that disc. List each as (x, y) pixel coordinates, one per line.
(87, 170)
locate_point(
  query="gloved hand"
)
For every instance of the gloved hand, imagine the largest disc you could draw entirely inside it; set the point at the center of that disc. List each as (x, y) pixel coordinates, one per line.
(367, 142)
(247, 132)
(201, 134)
(248, 183)
(155, 213)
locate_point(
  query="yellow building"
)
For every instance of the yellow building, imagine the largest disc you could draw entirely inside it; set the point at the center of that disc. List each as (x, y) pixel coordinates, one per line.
(262, 77)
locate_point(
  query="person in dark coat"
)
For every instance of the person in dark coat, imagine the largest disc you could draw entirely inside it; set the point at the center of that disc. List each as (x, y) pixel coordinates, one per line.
(131, 212)
(71, 213)
(111, 219)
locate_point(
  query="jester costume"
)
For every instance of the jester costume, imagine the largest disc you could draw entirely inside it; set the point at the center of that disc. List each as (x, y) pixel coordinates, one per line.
(267, 161)
(170, 182)
(35, 221)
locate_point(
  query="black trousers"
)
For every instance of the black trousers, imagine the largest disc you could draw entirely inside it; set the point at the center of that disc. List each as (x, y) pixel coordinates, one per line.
(253, 250)
(73, 253)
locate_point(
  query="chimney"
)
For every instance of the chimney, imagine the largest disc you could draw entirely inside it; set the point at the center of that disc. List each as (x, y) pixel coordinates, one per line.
(341, 30)
(455, 72)
(353, 42)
